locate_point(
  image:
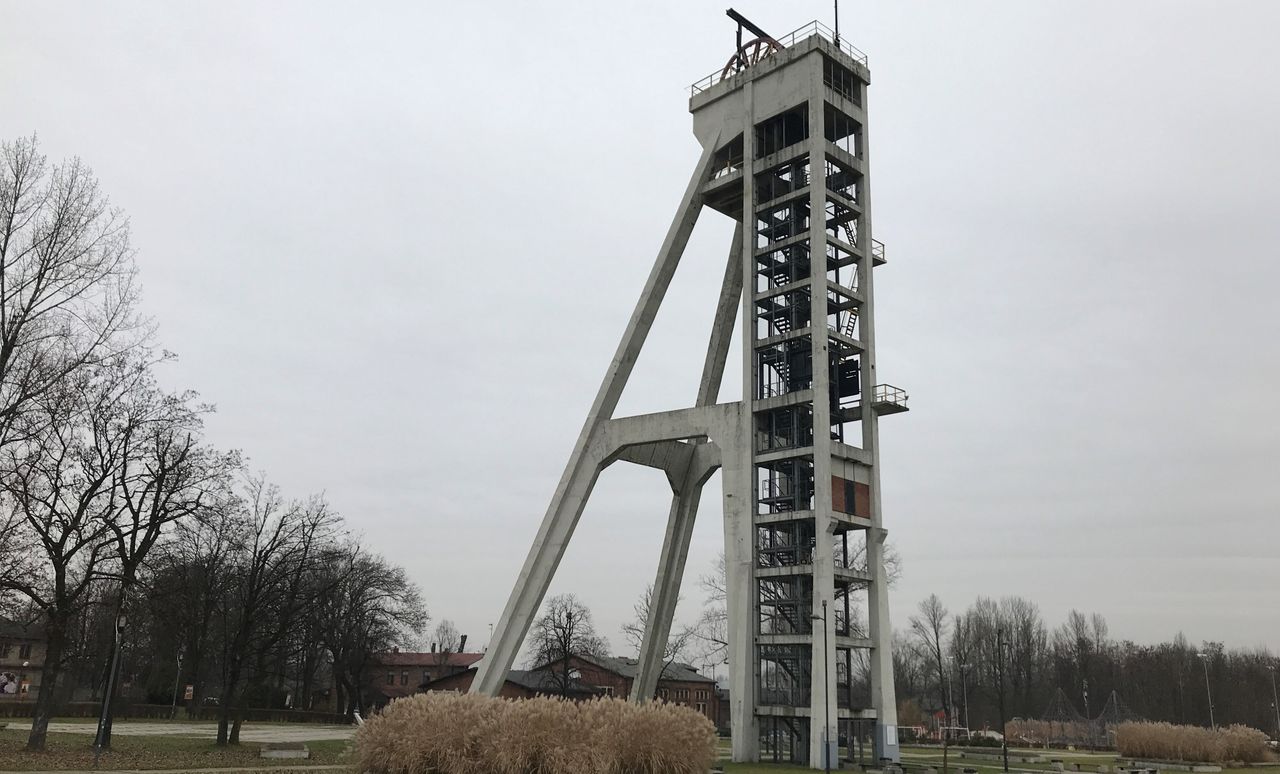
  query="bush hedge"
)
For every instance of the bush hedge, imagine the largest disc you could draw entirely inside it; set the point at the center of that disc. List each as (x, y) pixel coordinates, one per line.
(451, 733)
(1164, 741)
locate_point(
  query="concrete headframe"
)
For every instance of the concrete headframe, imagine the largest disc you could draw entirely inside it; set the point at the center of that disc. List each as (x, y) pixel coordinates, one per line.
(785, 154)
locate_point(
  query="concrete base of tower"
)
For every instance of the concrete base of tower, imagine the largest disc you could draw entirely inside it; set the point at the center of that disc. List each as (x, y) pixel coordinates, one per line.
(886, 743)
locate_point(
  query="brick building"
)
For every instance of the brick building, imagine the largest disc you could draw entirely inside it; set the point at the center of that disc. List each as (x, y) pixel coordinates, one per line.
(22, 650)
(401, 673)
(591, 676)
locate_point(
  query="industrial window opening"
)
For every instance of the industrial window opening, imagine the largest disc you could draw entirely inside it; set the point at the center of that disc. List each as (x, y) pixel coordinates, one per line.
(785, 486)
(785, 675)
(781, 314)
(841, 80)
(842, 223)
(785, 544)
(843, 180)
(785, 605)
(846, 390)
(842, 265)
(789, 427)
(784, 740)
(782, 131)
(781, 222)
(728, 159)
(843, 132)
(782, 266)
(842, 313)
(783, 179)
(784, 367)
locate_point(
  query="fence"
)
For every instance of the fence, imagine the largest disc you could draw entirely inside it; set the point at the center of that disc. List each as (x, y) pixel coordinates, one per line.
(91, 709)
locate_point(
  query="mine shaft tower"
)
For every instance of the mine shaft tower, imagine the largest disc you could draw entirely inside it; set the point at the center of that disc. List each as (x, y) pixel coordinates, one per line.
(783, 129)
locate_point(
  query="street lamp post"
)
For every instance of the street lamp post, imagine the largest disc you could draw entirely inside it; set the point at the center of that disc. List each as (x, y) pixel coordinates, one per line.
(951, 694)
(1275, 698)
(1204, 660)
(826, 691)
(101, 741)
(177, 678)
(964, 688)
(1004, 739)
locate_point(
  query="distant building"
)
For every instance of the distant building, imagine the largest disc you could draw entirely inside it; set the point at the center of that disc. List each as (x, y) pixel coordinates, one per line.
(401, 673)
(591, 676)
(22, 651)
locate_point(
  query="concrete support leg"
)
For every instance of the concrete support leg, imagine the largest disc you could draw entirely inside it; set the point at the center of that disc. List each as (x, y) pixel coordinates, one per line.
(666, 589)
(739, 534)
(883, 697)
(684, 505)
(582, 470)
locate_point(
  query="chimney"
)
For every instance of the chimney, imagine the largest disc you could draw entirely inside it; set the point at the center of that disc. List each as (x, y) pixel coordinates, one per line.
(395, 649)
(433, 647)
(462, 644)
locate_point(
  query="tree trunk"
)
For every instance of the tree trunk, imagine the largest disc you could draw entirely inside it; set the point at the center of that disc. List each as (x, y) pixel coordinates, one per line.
(55, 646)
(224, 701)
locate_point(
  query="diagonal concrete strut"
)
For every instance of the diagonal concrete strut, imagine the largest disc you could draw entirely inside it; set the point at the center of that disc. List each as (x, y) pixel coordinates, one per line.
(684, 504)
(586, 460)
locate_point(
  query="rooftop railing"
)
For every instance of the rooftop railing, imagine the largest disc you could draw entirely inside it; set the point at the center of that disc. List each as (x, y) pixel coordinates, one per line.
(786, 41)
(887, 393)
(877, 250)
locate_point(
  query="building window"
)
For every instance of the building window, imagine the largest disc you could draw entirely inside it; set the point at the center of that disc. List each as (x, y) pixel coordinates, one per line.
(24, 651)
(4, 649)
(702, 708)
(607, 690)
(426, 677)
(391, 678)
(663, 693)
(404, 677)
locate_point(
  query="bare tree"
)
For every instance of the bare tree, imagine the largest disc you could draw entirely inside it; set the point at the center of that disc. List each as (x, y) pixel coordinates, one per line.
(680, 641)
(371, 608)
(929, 630)
(446, 638)
(268, 590)
(67, 279)
(563, 631)
(193, 573)
(58, 482)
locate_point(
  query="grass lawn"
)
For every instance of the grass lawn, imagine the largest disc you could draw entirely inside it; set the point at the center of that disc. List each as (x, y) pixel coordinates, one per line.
(75, 751)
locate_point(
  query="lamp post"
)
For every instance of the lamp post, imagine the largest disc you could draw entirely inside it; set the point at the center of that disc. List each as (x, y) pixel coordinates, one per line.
(1275, 699)
(1004, 739)
(177, 678)
(964, 689)
(826, 691)
(1204, 660)
(101, 740)
(951, 694)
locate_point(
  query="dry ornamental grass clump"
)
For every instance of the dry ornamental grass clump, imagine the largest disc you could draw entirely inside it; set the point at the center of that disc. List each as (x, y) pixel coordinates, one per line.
(1164, 741)
(450, 733)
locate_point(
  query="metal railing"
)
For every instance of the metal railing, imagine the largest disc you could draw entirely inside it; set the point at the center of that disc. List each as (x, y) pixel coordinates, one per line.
(814, 27)
(877, 250)
(887, 393)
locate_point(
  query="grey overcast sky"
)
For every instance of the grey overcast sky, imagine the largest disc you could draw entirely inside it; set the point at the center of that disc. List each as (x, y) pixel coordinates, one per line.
(396, 244)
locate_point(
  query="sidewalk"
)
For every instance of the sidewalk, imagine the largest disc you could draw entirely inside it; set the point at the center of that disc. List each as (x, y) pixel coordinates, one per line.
(187, 771)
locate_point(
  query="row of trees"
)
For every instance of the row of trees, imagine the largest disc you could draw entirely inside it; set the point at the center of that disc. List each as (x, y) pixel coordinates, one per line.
(962, 666)
(965, 665)
(114, 509)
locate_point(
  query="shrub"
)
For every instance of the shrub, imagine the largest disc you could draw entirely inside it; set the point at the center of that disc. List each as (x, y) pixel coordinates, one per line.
(450, 733)
(1164, 741)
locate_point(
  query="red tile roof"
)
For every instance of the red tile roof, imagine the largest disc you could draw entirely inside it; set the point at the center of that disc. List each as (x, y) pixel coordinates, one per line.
(427, 660)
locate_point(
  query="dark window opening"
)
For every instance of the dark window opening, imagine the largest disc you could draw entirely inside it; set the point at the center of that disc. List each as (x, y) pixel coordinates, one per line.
(782, 131)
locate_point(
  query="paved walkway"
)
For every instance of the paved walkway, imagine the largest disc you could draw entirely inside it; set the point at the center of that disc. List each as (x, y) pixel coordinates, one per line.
(223, 770)
(249, 732)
